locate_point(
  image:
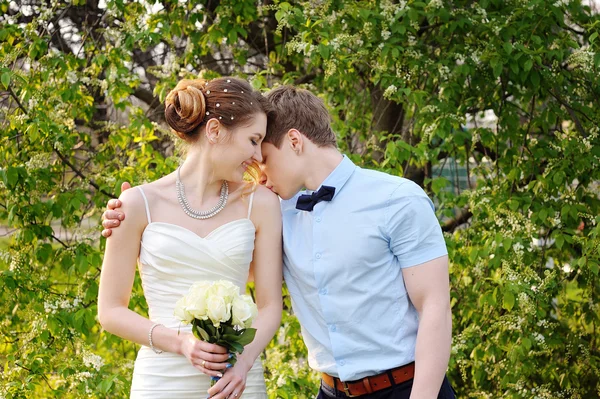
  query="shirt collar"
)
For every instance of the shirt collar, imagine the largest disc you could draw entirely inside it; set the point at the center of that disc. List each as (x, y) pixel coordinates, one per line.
(337, 178)
(340, 175)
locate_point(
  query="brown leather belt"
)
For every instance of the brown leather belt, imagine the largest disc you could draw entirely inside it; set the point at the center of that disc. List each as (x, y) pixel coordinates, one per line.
(371, 384)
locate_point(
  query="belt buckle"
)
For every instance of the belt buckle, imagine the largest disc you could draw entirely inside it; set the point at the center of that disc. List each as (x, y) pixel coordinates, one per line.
(347, 390)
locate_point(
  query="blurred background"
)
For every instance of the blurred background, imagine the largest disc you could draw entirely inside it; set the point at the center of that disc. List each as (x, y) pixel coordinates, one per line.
(491, 106)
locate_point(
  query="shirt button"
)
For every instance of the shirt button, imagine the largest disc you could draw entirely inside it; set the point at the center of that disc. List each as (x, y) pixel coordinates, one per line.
(324, 291)
(318, 256)
(342, 362)
(332, 328)
(318, 219)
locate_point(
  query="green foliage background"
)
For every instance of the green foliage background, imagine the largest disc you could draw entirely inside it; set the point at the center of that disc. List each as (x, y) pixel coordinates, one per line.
(82, 84)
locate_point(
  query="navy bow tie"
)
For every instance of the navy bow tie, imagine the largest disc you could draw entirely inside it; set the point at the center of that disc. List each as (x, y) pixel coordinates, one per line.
(306, 202)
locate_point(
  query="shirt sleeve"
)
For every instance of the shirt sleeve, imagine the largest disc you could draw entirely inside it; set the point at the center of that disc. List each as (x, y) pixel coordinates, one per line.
(413, 230)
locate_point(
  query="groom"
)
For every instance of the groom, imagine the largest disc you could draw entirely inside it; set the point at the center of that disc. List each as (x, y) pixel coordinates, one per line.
(365, 261)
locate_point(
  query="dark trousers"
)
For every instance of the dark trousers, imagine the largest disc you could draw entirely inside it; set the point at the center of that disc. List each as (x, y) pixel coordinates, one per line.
(400, 391)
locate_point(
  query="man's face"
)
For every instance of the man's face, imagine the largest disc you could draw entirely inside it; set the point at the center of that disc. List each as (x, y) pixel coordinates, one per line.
(282, 172)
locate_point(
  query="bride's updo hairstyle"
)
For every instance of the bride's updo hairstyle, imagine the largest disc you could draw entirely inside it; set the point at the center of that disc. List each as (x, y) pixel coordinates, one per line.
(194, 102)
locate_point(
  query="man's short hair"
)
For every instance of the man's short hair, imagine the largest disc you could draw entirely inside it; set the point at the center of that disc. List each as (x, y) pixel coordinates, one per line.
(301, 110)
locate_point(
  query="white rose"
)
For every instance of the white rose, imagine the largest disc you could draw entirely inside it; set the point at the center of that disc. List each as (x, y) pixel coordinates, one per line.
(181, 311)
(244, 311)
(218, 310)
(196, 304)
(200, 286)
(224, 289)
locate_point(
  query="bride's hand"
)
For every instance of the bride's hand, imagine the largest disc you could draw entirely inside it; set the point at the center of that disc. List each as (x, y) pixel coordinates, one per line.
(208, 358)
(233, 382)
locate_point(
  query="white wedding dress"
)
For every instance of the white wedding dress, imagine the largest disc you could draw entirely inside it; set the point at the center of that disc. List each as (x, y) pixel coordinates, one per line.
(171, 259)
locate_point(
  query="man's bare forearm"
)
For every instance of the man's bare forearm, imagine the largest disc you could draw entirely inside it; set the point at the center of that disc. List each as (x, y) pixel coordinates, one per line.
(432, 352)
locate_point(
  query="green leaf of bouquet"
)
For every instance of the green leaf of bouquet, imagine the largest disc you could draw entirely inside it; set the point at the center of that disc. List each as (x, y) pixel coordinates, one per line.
(228, 330)
(247, 336)
(237, 347)
(203, 333)
(230, 337)
(210, 329)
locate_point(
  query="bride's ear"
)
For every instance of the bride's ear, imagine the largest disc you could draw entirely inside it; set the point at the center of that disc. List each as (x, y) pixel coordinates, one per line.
(295, 140)
(213, 131)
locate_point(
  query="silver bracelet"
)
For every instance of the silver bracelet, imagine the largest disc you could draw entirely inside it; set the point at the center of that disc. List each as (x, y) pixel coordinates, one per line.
(157, 351)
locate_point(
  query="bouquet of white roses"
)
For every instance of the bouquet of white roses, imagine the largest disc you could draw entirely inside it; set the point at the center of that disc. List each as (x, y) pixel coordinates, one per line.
(219, 314)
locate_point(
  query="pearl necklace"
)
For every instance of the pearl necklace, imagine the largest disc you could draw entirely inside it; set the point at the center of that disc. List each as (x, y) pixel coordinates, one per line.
(200, 214)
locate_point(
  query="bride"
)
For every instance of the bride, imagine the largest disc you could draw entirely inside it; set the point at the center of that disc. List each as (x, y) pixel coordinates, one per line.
(201, 222)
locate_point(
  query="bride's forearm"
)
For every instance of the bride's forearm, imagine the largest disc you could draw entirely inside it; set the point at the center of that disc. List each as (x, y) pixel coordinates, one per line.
(133, 327)
(266, 323)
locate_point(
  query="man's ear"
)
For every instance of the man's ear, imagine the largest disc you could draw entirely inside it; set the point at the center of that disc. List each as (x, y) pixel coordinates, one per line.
(295, 140)
(213, 131)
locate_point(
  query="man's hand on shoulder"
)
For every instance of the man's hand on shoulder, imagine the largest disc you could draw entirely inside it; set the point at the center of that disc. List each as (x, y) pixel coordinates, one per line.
(111, 218)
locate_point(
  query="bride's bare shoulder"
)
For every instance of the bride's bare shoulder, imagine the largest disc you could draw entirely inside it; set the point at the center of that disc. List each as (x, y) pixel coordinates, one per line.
(160, 188)
(266, 201)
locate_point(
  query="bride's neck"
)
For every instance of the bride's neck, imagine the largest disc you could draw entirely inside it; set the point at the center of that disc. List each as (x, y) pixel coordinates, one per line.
(198, 176)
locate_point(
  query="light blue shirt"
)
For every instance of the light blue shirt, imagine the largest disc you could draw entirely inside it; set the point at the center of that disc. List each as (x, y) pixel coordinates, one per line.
(343, 267)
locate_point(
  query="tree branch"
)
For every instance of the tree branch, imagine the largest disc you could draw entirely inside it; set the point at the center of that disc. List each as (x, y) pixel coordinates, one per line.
(80, 174)
(462, 218)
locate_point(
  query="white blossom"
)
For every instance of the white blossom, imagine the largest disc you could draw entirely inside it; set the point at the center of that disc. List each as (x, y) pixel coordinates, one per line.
(582, 58)
(444, 72)
(436, 4)
(518, 248)
(38, 161)
(390, 91)
(71, 77)
(93, 360)
(539, 338)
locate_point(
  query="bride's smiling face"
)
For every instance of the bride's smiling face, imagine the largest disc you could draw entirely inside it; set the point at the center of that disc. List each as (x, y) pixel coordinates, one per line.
(237, 149)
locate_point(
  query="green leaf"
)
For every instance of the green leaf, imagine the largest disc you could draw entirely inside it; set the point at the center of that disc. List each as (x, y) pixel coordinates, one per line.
(209, 327)
(237, 347)
(508, 47)
(230, 337)
(203, 333)
(508, 302)
(559, 240)
(593, 37)
(513, 205)
(5, 79)
(438, 184)
(558, 178)
(12, 176)
(105, 385)
(594, 267)
(528, 65)
(497, 70)
(543, 214)
(324, 51)
(247, 336)
(535, 78)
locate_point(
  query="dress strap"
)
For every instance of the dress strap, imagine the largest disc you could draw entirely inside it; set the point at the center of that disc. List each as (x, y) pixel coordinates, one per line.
(250, 206)
(145, 202)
